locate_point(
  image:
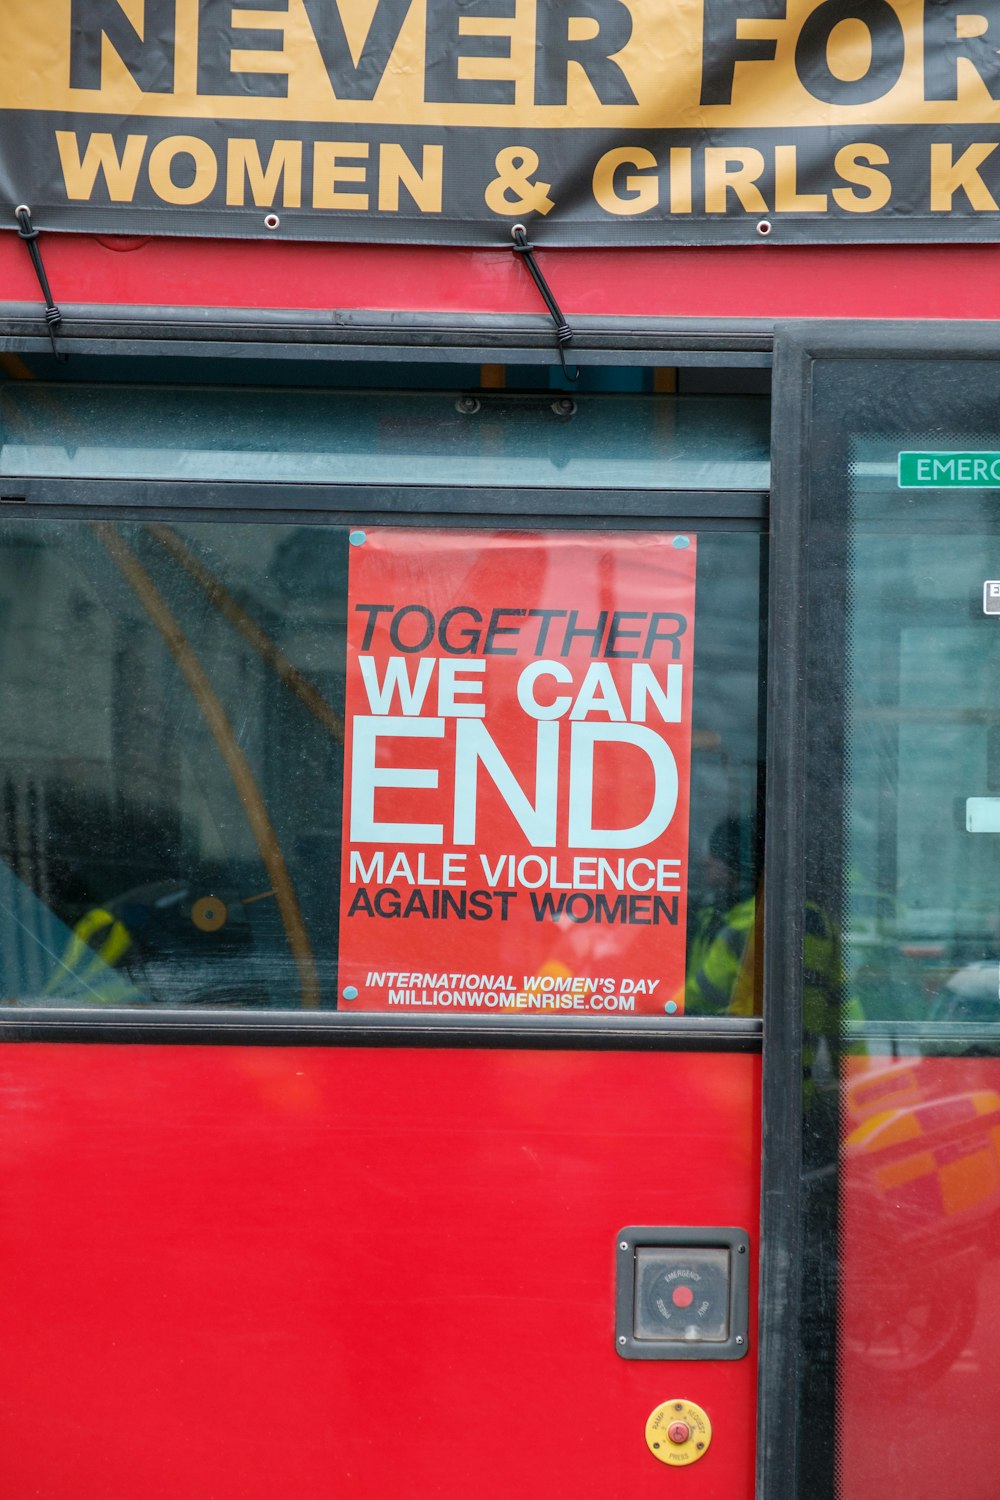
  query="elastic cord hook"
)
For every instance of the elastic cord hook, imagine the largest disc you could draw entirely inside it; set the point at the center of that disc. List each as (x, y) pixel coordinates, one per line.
(29, 234)
(564, 333)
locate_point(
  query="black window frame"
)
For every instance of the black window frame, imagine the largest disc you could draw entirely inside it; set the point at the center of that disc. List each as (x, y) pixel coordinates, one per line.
(223, 337)
(795, 1450)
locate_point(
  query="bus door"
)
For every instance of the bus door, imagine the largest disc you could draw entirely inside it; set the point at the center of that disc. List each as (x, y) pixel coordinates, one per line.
(884, 1193)
(380, 940)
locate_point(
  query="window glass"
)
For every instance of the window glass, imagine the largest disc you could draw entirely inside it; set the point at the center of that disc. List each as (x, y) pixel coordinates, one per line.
(922, 748)
(367, 437)
(922, 915)
(172, 766)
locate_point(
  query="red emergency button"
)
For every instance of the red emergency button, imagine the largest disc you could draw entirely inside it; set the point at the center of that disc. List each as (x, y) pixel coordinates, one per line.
(678, 1432)
(682, 1296)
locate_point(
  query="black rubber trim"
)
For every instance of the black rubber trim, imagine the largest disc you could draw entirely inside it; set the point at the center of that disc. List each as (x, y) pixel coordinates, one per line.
(295, 1029)
(780, 1284)
(465, 338)
(412, 504)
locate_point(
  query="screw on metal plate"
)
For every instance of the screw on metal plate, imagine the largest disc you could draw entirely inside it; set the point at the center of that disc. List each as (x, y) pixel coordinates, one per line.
(467, 406)
(740, 1339)
(741, 1249)
(622, 1339)
(564, 407)
(623, 1244)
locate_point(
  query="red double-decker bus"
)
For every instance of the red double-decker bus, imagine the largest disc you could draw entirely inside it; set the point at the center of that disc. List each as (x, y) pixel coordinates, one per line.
(499, 782)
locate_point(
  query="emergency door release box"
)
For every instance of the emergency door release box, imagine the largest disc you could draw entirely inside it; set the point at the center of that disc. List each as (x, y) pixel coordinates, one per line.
(682, 1293)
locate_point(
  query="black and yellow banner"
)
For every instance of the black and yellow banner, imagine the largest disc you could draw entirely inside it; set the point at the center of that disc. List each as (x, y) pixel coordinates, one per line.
(594, 122)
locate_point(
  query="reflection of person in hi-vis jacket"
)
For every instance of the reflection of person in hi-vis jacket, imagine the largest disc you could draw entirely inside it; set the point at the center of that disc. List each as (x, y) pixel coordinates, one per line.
(722, 935)
(725, 939)
(112, 944)
(160, 943)
(88, 970)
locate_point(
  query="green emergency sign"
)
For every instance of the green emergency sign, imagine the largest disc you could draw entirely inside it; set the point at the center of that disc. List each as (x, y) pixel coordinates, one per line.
(944, 470)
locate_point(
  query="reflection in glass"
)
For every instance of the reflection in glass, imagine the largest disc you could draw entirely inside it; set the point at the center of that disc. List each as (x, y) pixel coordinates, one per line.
(370, 437)
(901, 1182)
(171, 763)
(923, 909)
(171, 768)
(919, 1276)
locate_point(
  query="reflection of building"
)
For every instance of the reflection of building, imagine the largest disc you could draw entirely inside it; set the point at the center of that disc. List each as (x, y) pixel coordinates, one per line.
(921, 891)
(114, 773)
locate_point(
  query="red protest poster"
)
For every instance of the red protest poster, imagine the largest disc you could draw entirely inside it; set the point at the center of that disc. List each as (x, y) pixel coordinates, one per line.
(516, 786)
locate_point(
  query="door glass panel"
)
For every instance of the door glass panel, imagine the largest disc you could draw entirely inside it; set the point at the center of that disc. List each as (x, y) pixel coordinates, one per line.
(172, 762)
(922, 913)
(901, 1103)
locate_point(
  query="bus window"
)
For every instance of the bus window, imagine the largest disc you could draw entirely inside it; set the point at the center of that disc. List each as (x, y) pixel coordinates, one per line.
(173, 772)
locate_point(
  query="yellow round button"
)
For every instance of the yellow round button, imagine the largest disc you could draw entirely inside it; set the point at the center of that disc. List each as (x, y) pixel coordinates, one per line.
(678, 1432)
